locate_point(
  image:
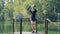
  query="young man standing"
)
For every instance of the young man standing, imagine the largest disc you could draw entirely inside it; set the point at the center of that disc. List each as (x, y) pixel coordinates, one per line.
(33, 11)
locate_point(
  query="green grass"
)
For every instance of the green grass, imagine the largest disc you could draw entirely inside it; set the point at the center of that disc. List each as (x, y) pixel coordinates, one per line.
(26, 27)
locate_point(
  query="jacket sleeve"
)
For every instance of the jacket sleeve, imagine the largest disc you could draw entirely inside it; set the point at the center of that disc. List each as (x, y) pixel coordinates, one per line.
(29, 9)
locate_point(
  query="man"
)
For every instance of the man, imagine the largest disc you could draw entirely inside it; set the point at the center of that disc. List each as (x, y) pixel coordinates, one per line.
(33, 11)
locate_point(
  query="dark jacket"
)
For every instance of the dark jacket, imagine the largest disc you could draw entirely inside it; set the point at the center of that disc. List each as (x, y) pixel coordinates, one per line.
(33, 13)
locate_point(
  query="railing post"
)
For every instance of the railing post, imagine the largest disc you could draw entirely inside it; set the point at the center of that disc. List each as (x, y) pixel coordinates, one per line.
(46, 26)
(13, 26)
(21, 26)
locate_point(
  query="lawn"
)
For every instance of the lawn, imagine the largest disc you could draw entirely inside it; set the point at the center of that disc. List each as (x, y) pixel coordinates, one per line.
(26, 27)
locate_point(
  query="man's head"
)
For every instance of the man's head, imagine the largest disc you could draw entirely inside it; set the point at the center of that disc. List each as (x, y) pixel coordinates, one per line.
(33, 6)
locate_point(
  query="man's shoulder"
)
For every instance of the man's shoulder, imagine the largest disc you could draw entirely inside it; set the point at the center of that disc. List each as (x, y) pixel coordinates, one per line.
(36, 10)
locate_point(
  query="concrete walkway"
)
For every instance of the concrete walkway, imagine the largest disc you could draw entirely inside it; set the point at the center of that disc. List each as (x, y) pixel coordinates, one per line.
(26, 33)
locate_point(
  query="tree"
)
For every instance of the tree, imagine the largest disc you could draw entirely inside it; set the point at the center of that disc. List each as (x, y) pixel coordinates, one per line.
(1, 15)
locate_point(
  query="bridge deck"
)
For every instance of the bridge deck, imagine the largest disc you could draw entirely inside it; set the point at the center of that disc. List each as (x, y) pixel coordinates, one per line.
(26, 33)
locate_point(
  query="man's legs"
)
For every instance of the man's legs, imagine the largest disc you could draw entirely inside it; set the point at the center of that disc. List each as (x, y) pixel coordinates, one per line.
(33, 23)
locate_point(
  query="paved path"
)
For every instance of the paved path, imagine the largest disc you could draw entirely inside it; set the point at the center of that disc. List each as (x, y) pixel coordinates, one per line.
(26, 33)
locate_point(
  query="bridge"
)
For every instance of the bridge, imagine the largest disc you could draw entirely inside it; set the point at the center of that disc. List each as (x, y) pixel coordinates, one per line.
(45, 31)
(25, 33)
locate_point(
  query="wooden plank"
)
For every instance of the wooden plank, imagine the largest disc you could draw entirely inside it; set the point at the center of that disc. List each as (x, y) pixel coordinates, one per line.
(26, 33)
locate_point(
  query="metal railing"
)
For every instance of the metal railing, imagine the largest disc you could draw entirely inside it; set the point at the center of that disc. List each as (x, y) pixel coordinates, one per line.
(46, 26)
(21, 26)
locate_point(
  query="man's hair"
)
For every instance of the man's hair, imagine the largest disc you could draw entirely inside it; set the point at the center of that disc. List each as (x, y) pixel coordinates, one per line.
(34, 5)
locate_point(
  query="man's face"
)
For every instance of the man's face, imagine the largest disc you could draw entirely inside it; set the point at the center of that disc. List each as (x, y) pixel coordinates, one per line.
(33, 6)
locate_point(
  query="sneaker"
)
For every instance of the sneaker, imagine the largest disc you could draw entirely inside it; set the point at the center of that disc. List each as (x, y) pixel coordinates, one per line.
(35, 31)
(32, 31)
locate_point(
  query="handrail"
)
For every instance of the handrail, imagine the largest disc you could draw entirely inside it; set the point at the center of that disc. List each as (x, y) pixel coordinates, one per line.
(21, 26)
(46, 25)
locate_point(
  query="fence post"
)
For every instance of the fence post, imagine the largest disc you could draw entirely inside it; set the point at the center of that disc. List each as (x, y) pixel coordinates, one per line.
(21, 26)
(46, 26)
(13, 26)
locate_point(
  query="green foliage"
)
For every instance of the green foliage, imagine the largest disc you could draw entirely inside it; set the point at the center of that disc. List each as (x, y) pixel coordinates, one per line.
(45, 8)
(1, 5)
